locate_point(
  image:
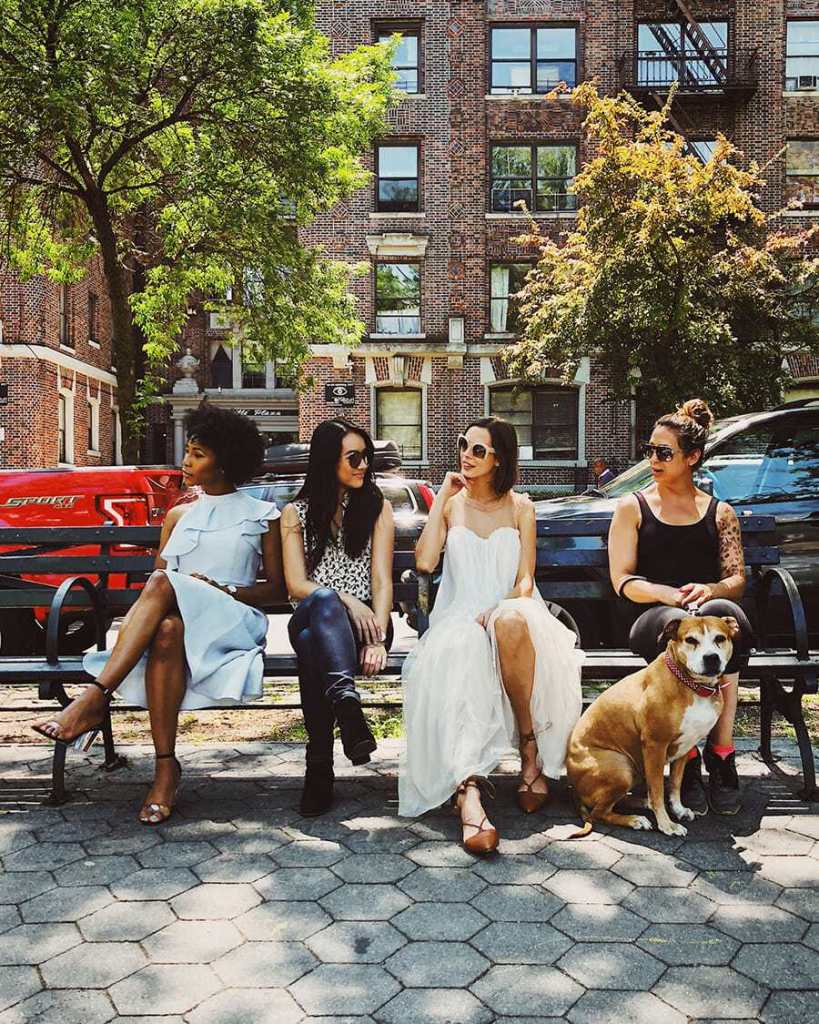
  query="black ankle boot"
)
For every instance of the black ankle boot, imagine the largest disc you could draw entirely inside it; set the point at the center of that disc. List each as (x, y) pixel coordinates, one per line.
(317, 795)
(356, 738)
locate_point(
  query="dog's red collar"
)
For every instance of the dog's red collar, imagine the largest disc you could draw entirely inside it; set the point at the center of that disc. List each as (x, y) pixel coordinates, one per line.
(699, 688)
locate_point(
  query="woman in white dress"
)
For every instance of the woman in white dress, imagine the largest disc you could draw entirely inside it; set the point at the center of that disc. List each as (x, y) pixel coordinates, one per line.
(495, 670)
(195, 637)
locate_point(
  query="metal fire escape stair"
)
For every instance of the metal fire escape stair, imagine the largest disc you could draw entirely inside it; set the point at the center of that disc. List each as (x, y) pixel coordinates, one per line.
(702, 47)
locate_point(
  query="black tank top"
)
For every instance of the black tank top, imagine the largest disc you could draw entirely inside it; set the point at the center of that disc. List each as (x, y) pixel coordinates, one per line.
(675, 555)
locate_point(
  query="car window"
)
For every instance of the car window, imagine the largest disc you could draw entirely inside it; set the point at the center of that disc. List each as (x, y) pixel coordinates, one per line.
(398, 495)
(282, 492)
(774, 461)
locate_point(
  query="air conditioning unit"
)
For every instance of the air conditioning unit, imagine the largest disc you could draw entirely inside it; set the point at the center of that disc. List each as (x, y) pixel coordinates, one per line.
(808, 83)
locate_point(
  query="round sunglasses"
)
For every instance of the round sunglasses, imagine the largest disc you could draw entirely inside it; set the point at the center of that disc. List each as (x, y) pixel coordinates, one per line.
(479, 451)
(663, 451)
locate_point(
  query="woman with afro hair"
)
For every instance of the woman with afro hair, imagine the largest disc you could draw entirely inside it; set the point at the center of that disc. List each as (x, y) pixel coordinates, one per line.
(195, 637)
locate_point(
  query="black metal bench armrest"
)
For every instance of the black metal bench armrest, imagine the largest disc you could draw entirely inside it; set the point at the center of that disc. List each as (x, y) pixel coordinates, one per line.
(767, 578)
(55, 610)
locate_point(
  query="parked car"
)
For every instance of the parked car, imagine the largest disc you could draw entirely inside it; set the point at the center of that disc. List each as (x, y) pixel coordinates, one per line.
(764, 463)
(76, 496)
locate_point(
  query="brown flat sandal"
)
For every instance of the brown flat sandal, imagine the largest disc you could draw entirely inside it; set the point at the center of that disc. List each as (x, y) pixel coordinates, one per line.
(528, 800)
(158, 814)
(485, 840)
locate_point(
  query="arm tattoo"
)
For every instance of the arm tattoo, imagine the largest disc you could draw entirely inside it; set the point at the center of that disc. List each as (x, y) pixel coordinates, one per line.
(731, 557)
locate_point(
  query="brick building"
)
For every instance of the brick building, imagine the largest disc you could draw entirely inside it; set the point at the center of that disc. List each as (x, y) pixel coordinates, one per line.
(475, 132)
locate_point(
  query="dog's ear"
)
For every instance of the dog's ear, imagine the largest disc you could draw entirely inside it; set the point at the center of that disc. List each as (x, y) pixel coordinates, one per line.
(669, 633)
(732, 625)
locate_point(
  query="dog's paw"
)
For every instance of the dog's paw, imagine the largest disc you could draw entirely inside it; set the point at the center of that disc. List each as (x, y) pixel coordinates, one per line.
(672, 829)
(682, 813)
(640, 823)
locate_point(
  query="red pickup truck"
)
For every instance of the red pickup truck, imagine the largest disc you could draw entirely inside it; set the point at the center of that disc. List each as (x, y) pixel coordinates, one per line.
(82, 496)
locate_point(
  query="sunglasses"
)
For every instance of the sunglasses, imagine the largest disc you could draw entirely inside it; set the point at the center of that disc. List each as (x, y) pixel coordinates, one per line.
(663, 452)
(479, 451)
(356, 458)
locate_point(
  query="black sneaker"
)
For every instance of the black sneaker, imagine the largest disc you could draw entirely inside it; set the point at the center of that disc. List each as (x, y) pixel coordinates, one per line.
(356, 738)
(317, 795)
(692, 790)
(723, 783)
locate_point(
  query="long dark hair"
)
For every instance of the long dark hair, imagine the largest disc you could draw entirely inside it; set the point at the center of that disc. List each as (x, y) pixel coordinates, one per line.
(320, 491)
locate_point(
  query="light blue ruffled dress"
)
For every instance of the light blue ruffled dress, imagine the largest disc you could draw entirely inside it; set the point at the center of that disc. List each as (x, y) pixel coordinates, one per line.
(220, 536)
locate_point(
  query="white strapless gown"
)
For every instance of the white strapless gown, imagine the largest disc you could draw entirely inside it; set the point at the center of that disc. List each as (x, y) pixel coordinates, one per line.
(458, 720)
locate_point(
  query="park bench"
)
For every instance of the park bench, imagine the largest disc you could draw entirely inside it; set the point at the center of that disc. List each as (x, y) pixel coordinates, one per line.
(565, 548)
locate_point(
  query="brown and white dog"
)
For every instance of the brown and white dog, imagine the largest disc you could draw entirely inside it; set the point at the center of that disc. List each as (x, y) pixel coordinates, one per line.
(651, 717)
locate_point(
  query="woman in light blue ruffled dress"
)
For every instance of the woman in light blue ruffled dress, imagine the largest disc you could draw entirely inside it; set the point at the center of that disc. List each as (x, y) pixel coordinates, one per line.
(195, 638)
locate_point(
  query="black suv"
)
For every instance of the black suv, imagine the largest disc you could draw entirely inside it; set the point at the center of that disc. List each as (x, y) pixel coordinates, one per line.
(765, 463)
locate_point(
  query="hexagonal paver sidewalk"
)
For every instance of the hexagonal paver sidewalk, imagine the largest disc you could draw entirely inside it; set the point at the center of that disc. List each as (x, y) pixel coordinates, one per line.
(239, 910)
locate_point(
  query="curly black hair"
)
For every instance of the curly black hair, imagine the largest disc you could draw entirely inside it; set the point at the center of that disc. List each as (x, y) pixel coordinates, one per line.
(235, 439)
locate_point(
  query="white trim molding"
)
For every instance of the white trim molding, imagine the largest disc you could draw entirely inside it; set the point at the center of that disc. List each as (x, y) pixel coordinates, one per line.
(59, 359)
(394, 243)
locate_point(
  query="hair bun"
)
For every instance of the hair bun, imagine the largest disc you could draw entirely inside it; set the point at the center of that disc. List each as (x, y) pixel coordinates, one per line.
(698, 410)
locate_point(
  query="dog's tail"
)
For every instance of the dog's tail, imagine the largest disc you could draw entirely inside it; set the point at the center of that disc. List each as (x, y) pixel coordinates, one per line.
(588, 828)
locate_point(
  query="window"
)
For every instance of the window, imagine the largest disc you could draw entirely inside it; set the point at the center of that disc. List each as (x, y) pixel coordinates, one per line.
(802, 60)
(532, 59)
(668, 52)
(93, 425)
(93, 318)
(65, 316)
(397, 298)
(703, 149)
(545, 418)
(221, 369)
(254, 369)
(397, 178)
(539, 175)
(65, 426)
(802, 172)
(398, 417)
(505, 279)
(406, 61)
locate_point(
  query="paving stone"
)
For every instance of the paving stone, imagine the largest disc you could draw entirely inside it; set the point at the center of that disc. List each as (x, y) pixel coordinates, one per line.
(35, 943)
(623, 1007)
(442, 921)
(523, 870)
(802, 902)
(187, 942)
(344, 988)
(517, 903)
(441, 855)
(297, 884)
(162, 989)
(662, 871)
(434, 1006)
(214, 902)
(282, 921)
(66, 904)
(74, 831)
(777, 842)
(515, 846)
(17, 983)
(264, 964)
(669, 906)
(580, 855)
(126, 922)
(374, 867)
(812, 937)
(147, 1020)
(529, 942)
(714, 855)
(249, 843)
(806, 825)
(688, 944)
(310, 853)
(781, 965)
(527, 990)
(356, 942)
(646, 844)
(12, 839)
(43, 857)
(176, 855)
(228, 868)
(9, 917)
(110, 962)
(598, 923)
(445, 885)
(696, 990)
(790, 1008)
(62, 1006)
(611, 965)
(96, 870)
(437, 965)
(790, 872)
(132, 842)
(14, 888)
(154, 884)
(734, 887)
(239, 1006)
(365, 902)
(593, 886)
(759, 924)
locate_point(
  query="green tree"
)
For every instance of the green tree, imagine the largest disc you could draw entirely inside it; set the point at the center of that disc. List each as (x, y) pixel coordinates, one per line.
(672, 279)
(183, 142)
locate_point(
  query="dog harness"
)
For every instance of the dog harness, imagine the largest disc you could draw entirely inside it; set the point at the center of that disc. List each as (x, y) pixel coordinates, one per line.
(699, 688)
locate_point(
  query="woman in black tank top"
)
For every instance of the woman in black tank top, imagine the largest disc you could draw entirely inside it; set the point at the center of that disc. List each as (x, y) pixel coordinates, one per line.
(674, 551)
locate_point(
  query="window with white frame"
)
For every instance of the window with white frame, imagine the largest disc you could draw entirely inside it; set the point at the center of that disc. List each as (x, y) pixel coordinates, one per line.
(505, 280)
(65, 426)
(546, 418)
(397, 298)
(802, 56)
(93, 424)
(399, 417)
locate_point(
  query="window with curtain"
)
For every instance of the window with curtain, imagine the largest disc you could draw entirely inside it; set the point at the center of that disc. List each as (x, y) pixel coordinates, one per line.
(532, 58)
(802, 172)
(406, 61)
(540, 176)
(399, 418)
(397, 298)
(802, 60)
(505, 280)
(546, 419)
(221, 369)
(93, 425)
(397, 179)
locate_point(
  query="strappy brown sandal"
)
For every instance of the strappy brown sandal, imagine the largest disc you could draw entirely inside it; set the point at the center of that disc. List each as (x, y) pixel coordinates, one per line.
(82, 740)
(528, 800)
(159, 813)
(485, 840)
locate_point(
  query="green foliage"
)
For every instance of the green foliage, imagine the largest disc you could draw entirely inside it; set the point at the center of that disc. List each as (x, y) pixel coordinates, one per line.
(673, 279)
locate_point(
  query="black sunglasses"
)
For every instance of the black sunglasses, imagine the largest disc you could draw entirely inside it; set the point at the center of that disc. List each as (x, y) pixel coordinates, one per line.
(356, 458)
(479, 451)
(663, 452)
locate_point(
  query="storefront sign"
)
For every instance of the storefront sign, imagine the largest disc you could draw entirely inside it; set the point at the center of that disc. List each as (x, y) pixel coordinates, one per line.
(339, 394)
